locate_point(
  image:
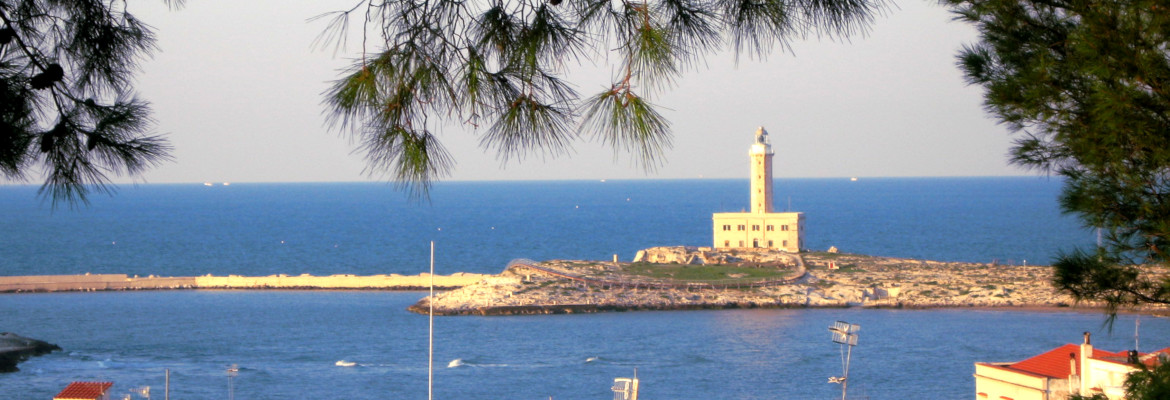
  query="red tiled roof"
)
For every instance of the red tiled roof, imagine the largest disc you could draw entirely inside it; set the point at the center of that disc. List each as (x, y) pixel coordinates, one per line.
(1055, 364)
(84, 390)
(1152, 359)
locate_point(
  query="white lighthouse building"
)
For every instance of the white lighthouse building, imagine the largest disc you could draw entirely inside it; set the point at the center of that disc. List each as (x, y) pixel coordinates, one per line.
(760, 228)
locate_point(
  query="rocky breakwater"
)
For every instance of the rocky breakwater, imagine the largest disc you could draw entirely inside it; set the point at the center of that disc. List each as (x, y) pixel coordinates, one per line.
(15, 348)
(677, 278)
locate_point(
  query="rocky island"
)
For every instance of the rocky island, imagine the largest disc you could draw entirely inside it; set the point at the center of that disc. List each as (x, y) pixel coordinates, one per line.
(681, 278)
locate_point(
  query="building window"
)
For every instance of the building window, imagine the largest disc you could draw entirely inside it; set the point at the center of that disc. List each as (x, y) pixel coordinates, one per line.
(770, 228)
(755, 228)
(740, 243)
(756, 243)
(770, 244)
(784, 243)
(741, 227)
(784, 227)
(726, 243)
(726, 227)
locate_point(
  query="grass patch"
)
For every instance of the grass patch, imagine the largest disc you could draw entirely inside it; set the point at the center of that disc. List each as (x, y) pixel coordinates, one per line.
(703, 272)
(849, 268)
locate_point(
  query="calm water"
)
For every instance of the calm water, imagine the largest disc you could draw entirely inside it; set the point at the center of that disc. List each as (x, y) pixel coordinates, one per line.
(368, 228)
(287, 344)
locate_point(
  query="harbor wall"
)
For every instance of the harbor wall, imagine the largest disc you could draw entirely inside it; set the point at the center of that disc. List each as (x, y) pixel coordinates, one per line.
(99, 282)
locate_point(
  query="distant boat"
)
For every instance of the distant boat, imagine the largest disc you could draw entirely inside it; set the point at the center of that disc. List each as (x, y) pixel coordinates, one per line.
(343, 363)
(207, 183)
(853, 179)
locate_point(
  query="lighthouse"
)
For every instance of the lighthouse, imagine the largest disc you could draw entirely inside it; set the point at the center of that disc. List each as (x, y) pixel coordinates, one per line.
(761, 227)
(761, 154)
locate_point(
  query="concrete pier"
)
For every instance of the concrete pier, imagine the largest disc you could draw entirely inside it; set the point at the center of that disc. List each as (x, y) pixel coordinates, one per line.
(102, 282)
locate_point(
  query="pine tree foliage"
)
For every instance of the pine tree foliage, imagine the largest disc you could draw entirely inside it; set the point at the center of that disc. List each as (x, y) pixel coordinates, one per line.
(1086, 84)
(65, 109)
(500, 68)
(1149, 383)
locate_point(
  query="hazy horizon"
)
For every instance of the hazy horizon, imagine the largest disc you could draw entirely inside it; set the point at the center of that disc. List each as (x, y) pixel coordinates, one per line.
(242, 103)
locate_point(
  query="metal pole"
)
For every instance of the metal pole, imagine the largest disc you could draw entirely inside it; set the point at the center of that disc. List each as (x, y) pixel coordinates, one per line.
(845, 383)
(167, 387)
(431, 330)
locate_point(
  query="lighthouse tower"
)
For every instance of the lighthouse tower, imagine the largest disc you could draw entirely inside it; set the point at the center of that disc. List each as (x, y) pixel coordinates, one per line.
(761, 154)
(762, 227)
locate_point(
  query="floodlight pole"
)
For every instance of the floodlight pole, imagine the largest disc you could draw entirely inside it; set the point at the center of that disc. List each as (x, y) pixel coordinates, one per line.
(845, 382)
(845, 334)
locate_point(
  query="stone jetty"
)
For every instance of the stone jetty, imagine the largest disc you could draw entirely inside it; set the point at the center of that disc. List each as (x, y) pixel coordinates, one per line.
(15, 348)
(101, 282)
(812, 280)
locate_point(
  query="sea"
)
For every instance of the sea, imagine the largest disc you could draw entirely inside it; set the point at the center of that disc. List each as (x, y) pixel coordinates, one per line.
(365, 345)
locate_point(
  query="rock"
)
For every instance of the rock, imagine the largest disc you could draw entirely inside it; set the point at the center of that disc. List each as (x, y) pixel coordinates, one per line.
(15, 348)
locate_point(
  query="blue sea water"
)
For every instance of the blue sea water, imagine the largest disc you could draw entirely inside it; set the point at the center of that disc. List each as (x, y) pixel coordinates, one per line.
(369, 228)
(288, 344)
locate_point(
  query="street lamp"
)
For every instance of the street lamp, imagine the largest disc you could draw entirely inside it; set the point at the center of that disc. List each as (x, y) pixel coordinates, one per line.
(844, 334)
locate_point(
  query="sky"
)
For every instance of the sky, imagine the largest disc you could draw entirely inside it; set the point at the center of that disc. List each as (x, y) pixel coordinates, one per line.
(237, 88)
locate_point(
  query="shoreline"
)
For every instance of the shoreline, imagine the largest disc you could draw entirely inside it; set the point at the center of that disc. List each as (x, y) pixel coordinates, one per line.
(806, 280)
(791, 280)
(420, 308)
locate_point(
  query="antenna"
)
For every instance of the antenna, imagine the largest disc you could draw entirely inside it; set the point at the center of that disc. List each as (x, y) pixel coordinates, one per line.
(844, 334)
(1137, 324)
